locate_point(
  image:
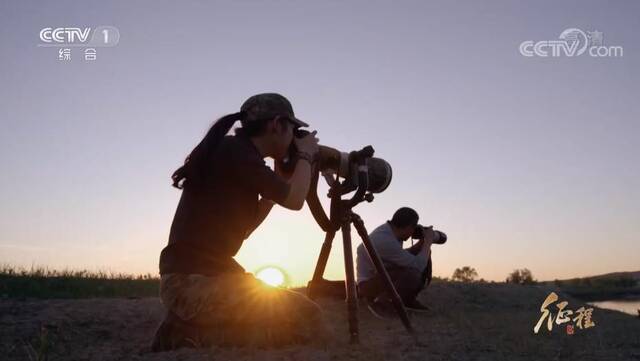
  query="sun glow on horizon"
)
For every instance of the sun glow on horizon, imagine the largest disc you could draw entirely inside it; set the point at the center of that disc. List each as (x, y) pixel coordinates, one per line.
(271, 276)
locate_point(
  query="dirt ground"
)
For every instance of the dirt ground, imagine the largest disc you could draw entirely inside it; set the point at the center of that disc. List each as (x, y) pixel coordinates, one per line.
(468, 322)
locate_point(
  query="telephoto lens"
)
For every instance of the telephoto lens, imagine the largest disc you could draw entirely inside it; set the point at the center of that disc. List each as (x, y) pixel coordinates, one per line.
(439, 237)
(331, 160)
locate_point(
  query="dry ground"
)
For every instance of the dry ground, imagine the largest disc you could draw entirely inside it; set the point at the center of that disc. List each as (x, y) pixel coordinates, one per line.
(468, 322)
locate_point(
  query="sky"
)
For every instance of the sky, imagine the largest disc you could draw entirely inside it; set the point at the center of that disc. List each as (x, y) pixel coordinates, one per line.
(523, 161)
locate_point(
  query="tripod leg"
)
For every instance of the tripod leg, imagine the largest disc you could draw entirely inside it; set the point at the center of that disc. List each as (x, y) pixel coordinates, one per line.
(324, 256)
(352, 298)
(320, 265)
(382, 272)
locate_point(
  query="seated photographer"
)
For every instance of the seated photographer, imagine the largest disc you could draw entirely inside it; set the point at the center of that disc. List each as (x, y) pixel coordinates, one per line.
(209, 297)
(409, 269)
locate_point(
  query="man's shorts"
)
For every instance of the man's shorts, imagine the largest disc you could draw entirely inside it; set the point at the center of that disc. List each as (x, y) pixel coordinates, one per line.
(241, 307)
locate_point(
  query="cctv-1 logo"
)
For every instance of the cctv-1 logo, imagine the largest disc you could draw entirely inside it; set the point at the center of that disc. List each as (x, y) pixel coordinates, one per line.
(65, 36)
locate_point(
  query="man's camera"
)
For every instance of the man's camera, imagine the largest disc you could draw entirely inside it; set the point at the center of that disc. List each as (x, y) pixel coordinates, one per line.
(439, 237)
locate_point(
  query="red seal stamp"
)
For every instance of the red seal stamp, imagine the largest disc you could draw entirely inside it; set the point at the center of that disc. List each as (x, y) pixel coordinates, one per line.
(569, 329)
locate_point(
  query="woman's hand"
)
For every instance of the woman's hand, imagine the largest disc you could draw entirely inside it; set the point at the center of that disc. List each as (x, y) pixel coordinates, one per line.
(308, 144)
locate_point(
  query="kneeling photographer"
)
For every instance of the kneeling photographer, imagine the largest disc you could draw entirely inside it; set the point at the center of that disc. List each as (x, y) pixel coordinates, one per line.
(227, 191)
(409, 269)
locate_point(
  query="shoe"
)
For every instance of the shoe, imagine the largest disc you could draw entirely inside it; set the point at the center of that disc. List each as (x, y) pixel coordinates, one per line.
(416, 306)
(174, 333)
(382, 308)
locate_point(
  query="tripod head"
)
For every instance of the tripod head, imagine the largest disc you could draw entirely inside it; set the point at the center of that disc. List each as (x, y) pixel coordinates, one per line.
(364, 175)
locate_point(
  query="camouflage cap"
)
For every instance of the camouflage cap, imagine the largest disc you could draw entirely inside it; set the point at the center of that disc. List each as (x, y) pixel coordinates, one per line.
(268, 106)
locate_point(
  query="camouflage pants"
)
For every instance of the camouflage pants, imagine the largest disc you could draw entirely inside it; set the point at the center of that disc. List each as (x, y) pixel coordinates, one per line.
(239, 309)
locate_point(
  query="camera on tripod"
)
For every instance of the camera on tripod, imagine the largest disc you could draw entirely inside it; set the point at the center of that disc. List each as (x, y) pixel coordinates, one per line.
(439, 237)
(332, 162)
(356, 171)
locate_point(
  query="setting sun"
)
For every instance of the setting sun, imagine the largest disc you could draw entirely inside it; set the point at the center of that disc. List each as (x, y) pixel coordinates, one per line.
(271, 276)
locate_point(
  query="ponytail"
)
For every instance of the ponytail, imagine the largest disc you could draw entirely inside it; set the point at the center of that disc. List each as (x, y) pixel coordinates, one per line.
(196, 162)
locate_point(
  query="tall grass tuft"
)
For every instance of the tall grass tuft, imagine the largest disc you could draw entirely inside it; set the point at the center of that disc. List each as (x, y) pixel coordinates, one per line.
(42, 282)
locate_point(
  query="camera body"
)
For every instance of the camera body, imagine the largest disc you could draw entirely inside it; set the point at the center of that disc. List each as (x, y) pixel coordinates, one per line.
(440, 237)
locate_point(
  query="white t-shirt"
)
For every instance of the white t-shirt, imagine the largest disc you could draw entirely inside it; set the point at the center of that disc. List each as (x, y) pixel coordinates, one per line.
(390, 250)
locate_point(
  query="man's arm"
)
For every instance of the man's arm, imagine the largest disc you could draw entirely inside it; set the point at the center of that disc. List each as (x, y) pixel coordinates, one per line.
(427, 236)
(392, 253)
(416, 248)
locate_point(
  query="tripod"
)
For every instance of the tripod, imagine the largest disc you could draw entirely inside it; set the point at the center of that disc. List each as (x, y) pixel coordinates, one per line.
(341, 217)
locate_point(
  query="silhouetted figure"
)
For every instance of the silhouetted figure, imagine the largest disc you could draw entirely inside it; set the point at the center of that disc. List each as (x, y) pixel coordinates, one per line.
(410, 269)
(227, 191)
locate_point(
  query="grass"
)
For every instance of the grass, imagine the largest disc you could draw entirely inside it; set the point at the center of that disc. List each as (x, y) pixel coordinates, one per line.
(41, 351)
(41, 282)
(599, 288)
(44, 283)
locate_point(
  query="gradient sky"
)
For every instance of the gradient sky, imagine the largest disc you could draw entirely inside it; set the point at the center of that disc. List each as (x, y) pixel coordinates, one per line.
(524, 162)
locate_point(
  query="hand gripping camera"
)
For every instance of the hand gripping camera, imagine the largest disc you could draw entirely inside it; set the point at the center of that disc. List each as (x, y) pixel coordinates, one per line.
(332, 162)
(440, 237)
